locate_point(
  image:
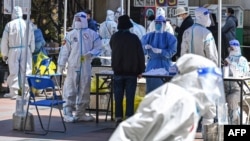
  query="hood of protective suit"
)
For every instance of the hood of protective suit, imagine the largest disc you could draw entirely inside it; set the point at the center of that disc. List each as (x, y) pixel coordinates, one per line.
(160, 12)
(110, 15)
(119, 12)
(234, 48)
(160, 23)
(187, 78)
(17, 13)
(202, 16)
(80, 20)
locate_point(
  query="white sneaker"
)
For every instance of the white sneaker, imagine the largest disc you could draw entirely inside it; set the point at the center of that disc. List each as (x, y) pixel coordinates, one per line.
(9, 95)
(85, 118)
(14, 97)
(67, 118)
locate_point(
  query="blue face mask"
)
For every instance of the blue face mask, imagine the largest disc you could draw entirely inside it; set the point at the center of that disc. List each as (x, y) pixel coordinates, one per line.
(158, 26)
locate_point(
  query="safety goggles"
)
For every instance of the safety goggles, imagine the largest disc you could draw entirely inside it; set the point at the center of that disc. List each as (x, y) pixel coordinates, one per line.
(81, 15)
(206, 13)
(234, 44)
(212, 84)
(158, 22)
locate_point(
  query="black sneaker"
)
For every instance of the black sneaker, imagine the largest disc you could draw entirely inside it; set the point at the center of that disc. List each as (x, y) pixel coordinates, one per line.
(118, 122)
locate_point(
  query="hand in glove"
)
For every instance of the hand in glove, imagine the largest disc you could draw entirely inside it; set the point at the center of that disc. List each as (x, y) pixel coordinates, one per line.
(156, 50)
(148, 46)
(5, 58)
(60, 69)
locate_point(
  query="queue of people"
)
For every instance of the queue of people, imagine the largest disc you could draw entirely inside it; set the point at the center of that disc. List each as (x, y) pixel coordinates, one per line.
(194, 51)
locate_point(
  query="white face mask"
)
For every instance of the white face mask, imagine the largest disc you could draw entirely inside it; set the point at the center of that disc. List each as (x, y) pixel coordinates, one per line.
(78, 24)
(235, 52)
(179, 18)
(208, 23)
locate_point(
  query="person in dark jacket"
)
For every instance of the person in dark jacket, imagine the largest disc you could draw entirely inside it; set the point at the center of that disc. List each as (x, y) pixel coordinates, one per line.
(187, 21)
(92, 24)
(228, 31)
(128, 63)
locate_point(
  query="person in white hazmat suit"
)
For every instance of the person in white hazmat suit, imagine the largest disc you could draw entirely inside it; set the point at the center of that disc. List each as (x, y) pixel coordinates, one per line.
(236, 64)
(160, 46)
(138, 29)
(118, 13)
(172, 111)
(13, 50)
(198, 39)
(81, 44)
(168, 27)
(106, 30)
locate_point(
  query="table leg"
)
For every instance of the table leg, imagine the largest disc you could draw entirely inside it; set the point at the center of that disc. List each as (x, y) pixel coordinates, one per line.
(111, 94)
(97, 98)
(241, 103)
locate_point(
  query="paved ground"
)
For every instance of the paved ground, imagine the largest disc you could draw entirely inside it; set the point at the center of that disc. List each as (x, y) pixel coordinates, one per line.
(84, 131)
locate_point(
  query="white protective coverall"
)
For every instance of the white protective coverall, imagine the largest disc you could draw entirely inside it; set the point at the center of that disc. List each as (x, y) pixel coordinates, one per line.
(106, 30)
(81, 44)
(137, 29)
(198, 39)
(160, 12)
(236, 64)
(13, 47)
(172, 111)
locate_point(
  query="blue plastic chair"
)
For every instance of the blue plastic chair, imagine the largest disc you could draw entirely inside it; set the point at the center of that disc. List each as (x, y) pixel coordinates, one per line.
(54, 102)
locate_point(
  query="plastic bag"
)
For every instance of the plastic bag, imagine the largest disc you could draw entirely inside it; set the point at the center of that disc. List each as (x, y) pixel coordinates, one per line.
(137, 102)
(102, 87)
(42, 69)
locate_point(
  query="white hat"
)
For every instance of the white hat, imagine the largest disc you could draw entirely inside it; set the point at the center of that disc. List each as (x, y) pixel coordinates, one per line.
(180, 10)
